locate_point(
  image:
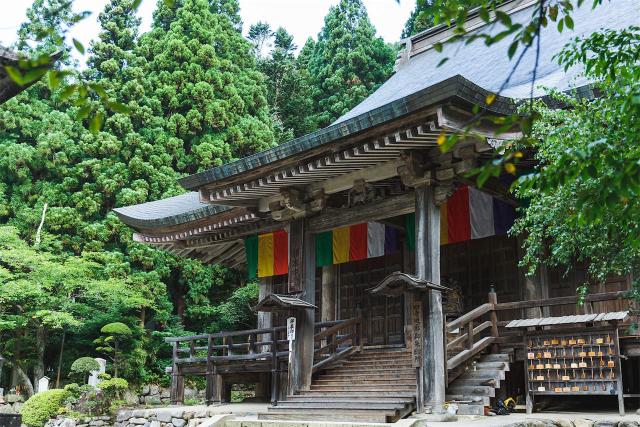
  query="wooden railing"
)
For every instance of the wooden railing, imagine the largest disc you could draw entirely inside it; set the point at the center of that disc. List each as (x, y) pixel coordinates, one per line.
(336, 340)
(266, 347)
(480, 328)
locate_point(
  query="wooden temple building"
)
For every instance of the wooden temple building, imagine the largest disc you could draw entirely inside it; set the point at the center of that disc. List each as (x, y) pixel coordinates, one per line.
(400, 274)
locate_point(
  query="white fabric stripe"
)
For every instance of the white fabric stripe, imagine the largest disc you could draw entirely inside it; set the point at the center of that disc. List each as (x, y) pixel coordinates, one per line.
(481, 213)
(375, 239)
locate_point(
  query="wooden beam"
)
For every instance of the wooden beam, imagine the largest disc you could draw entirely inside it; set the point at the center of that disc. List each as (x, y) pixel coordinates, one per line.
(386, 208)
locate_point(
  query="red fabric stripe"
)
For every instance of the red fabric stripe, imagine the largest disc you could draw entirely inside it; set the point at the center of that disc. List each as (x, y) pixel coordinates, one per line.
(358, 242)
(458, 219)
(280, 252)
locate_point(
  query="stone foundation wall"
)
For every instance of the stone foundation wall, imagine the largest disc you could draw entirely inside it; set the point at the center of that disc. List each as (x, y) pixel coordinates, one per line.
(11, 405)
(163, 417)
(102, 421)
(153, 394)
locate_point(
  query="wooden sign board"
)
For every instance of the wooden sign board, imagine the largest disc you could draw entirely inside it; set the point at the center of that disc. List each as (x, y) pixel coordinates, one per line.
(418, 334)
(291, 328)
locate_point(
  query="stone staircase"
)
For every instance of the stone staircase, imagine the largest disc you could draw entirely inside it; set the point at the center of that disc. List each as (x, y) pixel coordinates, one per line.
(370, 386)
(475, 387)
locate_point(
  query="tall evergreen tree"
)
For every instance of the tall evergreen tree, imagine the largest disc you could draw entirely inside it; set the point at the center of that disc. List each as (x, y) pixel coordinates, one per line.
(419, 20)
(204, 93)
(349, 61)
(288, 93)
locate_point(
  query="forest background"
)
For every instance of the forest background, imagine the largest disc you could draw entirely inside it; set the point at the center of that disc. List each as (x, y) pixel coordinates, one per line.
(197, 94)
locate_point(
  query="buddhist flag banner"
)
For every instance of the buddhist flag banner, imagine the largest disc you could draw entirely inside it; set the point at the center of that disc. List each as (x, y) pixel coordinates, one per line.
(267, 254)
(354, 243)
(468, 214)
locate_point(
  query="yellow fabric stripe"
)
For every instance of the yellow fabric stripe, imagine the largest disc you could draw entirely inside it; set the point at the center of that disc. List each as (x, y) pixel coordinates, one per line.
(265, 255)
(444, 226)
(340, 245)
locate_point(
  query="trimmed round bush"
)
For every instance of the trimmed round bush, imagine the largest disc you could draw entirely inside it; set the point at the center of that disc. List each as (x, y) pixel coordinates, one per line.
(84, 366)
(116, 328)
(37, 410)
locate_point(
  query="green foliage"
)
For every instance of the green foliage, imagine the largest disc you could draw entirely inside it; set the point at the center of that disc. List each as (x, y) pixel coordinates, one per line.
(204, 96)
(348, 62)
(582, 200)
(40, 407)
(287, 80)
(116, 328)
(421, 18)
(84, 366)
(113, 387)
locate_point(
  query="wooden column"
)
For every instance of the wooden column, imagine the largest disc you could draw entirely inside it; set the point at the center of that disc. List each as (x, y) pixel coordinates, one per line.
(428, 267)
(301, 363)
(265, 319)
(329, 292)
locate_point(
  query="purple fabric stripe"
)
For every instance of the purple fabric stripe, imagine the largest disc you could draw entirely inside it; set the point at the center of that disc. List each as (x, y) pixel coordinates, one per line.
(391, 240)
(503, 216)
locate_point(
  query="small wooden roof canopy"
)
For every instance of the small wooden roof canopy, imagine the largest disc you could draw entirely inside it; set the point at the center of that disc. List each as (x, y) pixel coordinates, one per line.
(275, 302)
(397, 283)
(384, 146)
(619, 316)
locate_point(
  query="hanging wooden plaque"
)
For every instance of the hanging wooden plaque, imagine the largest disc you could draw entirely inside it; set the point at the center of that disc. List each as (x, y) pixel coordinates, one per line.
(418, 334)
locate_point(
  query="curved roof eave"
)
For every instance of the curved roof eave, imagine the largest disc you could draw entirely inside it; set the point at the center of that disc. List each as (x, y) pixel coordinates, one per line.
(453, 87)
(168, 212)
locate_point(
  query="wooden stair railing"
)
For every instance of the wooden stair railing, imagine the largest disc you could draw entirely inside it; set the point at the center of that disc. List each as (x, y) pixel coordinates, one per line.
(224, 348)
(481, 329)
(340, 339)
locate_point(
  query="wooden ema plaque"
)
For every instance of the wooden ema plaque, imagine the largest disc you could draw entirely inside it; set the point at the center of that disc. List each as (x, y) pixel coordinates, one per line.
(573, 363)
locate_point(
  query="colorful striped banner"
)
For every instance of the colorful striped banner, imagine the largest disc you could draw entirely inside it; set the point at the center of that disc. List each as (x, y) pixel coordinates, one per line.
(468, 214)
(267, 254)
(355, 243)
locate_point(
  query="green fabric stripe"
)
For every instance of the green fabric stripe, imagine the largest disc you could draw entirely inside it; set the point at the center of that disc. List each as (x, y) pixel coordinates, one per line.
(410, 227)
(251, 248)
(324, 249)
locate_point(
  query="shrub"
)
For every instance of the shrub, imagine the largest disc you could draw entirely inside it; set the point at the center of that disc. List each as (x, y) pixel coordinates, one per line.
(83, 367)
(42, 406)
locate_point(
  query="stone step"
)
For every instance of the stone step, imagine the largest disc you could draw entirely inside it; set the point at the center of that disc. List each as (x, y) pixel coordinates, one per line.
(366, 376)
(394, 369)
(339, 399)
(480, 400)
(483, 373)
(350, 364)
(329, 415)
(499, 357)
(472, 390)
(365, 394)
(470, 409)
(502, 366)
(476, 382)
(372, 380)
(365, 387)
(356, 406)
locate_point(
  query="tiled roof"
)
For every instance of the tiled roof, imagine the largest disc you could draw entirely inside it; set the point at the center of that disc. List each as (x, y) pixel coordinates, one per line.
(167, 212)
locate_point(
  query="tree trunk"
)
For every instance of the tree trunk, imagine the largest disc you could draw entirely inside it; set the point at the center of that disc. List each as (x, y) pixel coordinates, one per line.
(21, 376)
(64, 334)
(38, 367)
(115, 359)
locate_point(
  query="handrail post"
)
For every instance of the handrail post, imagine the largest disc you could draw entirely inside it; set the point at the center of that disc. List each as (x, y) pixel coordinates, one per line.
(469, 335)
(358, 327)
(274, 368)
(493, 316)
(252, 343)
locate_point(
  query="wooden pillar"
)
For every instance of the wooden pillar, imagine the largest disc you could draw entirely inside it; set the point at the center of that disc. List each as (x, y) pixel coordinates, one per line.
(301, 363)
(265, 319)
(428, 267)
(329, 292)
